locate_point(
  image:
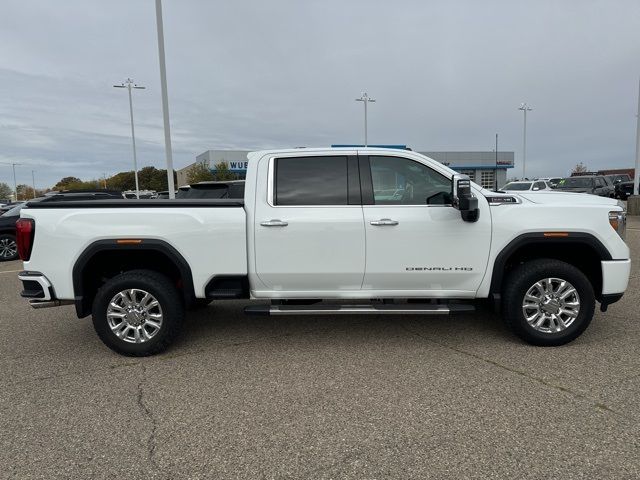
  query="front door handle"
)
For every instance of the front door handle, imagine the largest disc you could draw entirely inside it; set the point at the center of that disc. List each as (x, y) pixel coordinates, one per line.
(274, 223)
(384, 222)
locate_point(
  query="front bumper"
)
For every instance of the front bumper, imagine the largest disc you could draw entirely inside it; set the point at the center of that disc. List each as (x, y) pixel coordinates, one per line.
(615, 276)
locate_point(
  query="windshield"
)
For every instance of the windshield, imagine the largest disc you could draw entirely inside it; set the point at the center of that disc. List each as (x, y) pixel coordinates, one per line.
(517, 186)
(576, 182)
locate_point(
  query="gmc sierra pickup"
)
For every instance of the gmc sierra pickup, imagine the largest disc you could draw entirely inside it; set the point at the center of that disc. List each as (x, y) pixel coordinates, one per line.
(329, 231)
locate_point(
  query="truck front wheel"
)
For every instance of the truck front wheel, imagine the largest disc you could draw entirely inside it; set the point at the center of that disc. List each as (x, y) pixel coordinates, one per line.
(138, 313)
(548, 302)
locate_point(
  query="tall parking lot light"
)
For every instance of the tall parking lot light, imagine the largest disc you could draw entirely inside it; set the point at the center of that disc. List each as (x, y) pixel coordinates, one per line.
(129, 84)
(636, 178)
(33, 182)
(15, 184)
(165, 100)
(525, 108)
(365, 99)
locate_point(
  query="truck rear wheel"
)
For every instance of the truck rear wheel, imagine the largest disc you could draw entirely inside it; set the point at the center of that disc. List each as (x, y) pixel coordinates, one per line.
(548, 302)
(138, 313)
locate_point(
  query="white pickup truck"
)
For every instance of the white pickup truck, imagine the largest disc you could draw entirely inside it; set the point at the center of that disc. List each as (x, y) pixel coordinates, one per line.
(329, 231)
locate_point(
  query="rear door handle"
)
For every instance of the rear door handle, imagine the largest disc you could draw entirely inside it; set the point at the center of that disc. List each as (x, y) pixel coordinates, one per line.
(274, 223)
(384, 222)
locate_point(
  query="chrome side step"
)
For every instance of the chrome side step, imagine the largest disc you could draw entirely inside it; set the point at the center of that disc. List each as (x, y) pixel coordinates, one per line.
(382, 309)
(49, 303)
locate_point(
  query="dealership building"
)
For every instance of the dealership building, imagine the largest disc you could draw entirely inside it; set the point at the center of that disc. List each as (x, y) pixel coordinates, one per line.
(482, 167)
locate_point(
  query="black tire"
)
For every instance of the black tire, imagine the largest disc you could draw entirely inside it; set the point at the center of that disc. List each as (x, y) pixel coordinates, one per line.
(6, 239)
(168, 298)
(524, 277)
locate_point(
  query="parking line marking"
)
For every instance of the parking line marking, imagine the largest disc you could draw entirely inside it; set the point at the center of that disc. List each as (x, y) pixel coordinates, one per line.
(11, 271)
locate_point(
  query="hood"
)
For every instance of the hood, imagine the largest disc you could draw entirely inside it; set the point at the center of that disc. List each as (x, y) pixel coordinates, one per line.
(567, 198)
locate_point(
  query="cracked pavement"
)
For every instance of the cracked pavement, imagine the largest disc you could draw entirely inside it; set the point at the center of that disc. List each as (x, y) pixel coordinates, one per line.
(319, 397)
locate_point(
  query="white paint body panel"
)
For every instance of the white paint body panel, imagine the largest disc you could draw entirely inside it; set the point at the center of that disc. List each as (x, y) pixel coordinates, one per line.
(212, 241)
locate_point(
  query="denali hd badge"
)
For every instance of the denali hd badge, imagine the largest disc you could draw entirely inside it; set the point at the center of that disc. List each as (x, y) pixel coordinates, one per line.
(439, 269)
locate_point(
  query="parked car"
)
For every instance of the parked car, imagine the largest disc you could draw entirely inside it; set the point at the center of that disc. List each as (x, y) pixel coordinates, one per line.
(551, 181)
(317, 227)
(526, 186)
(143, 194)
(592, 184)
(618, 178)
(218, 189)
(8, 206)
(8, 245)
(624, 190)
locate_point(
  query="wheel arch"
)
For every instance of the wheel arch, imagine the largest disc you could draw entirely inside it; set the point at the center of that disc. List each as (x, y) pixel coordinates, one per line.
(582, 250)
(106, 258)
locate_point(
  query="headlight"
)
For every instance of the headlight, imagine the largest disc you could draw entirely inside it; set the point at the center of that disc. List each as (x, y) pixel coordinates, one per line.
(618, 221)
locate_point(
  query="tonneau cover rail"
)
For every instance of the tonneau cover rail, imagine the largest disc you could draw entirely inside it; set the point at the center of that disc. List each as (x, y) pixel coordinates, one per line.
(134, 203)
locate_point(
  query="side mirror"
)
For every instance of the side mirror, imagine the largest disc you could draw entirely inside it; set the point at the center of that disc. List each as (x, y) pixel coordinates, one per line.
(464, 200)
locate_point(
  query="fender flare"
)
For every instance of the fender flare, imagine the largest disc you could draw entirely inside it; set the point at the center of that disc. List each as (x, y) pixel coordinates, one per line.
(83, 308)
(497, 275)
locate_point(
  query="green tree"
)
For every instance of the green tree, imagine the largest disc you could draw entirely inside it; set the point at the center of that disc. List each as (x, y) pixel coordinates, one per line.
(200, 173)
(151, 178)
(5, 191)
(223, 172)
(67, 183)
(122, 181)
(25, 192)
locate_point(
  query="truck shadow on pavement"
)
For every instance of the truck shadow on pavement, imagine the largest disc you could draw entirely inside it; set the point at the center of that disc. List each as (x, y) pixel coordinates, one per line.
(225, 324)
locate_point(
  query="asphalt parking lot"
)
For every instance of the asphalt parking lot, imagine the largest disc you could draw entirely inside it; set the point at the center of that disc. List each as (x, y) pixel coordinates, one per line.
(319, 397)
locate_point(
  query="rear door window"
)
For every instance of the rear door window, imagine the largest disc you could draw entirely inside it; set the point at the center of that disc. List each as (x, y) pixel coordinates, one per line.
(311, 181)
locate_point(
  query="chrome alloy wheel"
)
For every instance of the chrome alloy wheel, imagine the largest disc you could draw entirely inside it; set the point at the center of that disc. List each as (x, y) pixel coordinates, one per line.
(134, 315)
(551, 305)
(8, 248)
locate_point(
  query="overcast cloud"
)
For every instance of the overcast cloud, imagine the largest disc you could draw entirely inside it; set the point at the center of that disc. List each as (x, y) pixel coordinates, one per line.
(447, 75)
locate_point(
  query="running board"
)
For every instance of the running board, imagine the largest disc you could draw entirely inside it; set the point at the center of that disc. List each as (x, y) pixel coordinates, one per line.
(382, 309)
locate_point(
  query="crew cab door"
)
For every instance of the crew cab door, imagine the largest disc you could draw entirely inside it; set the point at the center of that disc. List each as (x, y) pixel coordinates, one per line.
(416, 241)
(309, 231)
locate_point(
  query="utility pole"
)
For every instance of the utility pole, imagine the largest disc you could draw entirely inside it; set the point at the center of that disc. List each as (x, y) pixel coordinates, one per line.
(165, 100)
(129, 84)
(365, 99)
(525, 108)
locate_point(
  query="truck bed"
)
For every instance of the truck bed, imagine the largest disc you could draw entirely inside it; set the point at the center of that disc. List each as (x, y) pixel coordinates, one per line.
(209, 234)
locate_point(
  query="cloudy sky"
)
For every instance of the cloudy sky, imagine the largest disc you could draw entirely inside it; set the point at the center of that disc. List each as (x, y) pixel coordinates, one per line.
(447, 75)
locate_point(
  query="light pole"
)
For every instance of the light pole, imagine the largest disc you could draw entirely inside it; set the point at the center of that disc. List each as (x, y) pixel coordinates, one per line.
(15, 184)
(165, 100)
(129, 84)
(525, 108)
(33, 182)
(496, 170)
(365, 99)
(636, 178)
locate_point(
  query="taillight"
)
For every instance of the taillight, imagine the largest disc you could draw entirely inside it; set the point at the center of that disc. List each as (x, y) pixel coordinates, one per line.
(25, 230)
